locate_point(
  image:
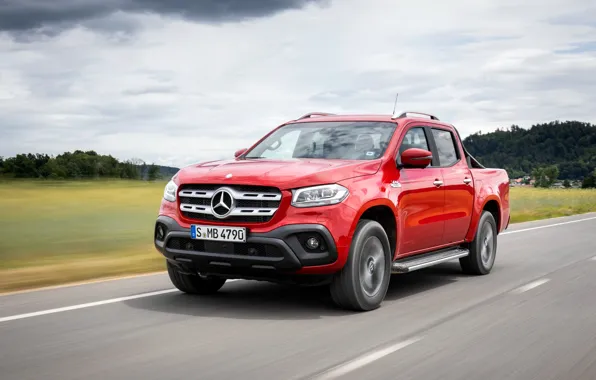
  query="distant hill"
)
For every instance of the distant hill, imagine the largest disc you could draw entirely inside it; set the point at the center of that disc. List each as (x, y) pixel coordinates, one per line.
(570, 145)
(80, 165)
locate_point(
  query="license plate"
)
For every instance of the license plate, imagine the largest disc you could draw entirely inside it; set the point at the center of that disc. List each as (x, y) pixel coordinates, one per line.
(217, 233)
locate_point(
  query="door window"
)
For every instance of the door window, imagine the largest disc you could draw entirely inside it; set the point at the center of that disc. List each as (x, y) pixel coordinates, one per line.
(414, 138)
(445, 147)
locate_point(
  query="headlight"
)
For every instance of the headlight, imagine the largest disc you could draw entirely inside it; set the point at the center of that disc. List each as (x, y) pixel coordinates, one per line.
(169, 193)
(319, 195)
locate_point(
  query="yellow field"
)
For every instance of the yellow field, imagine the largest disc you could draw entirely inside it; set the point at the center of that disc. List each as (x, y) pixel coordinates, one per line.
(529, 203)
(60, 232)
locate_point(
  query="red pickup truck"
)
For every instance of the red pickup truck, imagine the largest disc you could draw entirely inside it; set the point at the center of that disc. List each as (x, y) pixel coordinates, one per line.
(343, 201)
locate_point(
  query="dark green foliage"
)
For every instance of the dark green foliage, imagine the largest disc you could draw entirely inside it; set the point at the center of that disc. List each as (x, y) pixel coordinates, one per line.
(153, 172)
(570, 145)
(590, 181)
(545, 176)
(79, 164)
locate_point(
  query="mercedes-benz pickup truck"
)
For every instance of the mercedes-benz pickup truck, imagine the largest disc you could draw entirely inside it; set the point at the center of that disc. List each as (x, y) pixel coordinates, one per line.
(341, 201)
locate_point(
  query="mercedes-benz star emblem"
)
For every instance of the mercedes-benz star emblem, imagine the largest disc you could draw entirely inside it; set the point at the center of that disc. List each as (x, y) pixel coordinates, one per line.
(222, 203)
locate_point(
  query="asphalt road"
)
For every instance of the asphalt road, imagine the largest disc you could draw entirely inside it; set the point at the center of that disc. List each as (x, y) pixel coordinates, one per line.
(533, 317)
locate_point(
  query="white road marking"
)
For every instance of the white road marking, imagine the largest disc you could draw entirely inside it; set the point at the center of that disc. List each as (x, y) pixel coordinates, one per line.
(593, 258)
(87, 282)
(85, 305)
(530, 286)
(547, 226)
(363, 360)
(90, 304)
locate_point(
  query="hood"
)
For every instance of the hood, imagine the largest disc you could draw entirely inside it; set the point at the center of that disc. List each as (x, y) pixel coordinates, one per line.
(284, 174)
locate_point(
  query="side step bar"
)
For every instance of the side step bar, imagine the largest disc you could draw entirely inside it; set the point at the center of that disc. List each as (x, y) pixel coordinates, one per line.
(416, 262)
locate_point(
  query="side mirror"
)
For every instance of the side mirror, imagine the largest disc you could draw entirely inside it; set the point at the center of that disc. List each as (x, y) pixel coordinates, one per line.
(416, 158)
(239, 152)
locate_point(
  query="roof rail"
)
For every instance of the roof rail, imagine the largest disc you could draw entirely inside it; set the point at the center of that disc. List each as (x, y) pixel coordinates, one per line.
(311, 114)
(405, 114)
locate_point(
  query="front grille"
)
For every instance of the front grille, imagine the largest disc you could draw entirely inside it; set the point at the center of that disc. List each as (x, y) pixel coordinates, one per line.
(243, 249)
(252, 204)
(229, 219)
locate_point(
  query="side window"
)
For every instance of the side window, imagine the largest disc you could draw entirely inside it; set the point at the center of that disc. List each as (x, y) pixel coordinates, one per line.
(445, 147)
(414, 138)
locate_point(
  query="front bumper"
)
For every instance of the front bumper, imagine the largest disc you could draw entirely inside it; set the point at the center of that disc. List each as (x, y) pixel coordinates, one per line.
(278, 252)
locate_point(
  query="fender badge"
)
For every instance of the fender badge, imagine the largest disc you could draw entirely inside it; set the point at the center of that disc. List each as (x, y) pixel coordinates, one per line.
(395, 184)
(229, 175)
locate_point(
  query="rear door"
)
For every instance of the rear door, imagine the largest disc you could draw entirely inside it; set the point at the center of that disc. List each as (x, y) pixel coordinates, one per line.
(421, 198)
(457, 183)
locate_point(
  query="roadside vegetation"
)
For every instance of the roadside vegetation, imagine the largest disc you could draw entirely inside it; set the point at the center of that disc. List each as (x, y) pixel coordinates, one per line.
(55, 232)
(530, 203)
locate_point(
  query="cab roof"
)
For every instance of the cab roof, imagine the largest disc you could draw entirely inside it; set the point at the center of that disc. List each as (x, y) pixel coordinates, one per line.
(395, 118)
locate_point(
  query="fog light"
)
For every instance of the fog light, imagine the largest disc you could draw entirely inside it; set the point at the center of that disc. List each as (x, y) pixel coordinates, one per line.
(160, 233)
(312, 243)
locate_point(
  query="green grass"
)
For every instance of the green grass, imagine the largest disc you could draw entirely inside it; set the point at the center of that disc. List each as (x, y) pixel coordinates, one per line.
(529, 203)
(66, 231)
(59, 232)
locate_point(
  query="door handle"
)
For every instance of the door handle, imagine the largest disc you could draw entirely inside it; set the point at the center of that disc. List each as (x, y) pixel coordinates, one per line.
(467, 180)
(438, 183)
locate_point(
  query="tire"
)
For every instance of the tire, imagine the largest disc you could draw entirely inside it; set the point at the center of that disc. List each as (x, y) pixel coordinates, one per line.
(362, 283)
(483, 249)
(194, 284)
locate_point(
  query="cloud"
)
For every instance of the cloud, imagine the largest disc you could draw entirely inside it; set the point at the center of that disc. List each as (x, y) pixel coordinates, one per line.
(22, 15)
(176, 90)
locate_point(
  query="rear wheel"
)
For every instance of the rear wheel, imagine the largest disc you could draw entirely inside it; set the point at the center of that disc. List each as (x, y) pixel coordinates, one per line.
(363, 282)
(194, 284)
(483, 249)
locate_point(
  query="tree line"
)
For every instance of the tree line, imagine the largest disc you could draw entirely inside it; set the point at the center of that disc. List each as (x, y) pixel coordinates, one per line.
(77, 165)
(548, 151)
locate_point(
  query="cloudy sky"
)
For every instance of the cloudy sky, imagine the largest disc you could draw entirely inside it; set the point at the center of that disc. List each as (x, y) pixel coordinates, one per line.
(175, 82)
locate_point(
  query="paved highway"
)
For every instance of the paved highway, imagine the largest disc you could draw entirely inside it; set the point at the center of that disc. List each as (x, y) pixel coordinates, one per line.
(533, 317)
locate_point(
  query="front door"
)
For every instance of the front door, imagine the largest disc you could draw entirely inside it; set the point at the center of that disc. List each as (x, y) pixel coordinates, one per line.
(421, 200)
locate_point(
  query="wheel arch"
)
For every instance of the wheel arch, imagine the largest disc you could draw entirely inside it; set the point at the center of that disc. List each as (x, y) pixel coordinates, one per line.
(383, 212)
(494, 208)
(491, 204)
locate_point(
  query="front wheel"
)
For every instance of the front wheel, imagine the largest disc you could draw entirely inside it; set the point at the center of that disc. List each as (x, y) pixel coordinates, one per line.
(363, 282)
(194, 284)
(483, 249)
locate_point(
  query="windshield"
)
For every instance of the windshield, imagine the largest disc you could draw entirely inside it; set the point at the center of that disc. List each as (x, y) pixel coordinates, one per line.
(344, 140)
